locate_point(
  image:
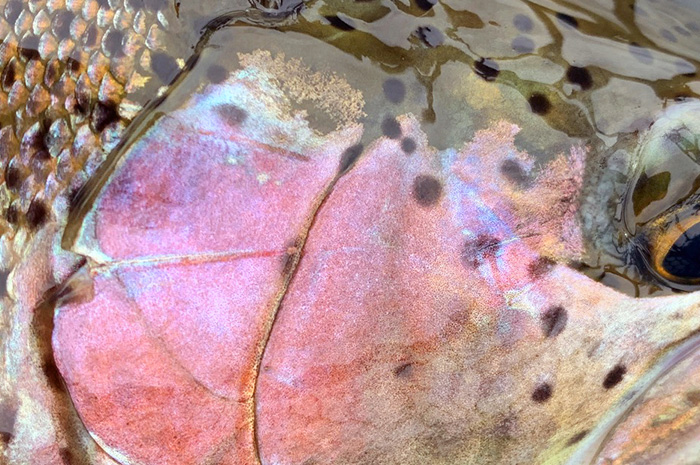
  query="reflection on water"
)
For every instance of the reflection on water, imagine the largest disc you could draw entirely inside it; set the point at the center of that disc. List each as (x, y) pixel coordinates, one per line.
(84, 81)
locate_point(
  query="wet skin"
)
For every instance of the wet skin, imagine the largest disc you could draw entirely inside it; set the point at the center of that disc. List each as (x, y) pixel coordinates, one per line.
(452, 252)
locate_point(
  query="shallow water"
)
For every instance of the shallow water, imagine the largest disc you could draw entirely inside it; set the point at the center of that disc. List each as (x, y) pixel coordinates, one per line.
(597, 182)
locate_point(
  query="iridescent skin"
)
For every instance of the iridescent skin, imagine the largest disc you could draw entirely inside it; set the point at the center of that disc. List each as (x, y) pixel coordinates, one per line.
(255, 290)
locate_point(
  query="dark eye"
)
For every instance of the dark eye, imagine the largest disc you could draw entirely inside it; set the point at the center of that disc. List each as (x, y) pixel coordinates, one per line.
(675, 254)
(662, 208)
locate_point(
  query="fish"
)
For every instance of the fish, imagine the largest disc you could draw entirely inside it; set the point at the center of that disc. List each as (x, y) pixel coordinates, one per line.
(375, 233)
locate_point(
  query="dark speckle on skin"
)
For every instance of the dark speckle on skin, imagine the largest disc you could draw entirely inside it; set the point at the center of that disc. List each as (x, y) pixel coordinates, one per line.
(408, 145)
(542, 393)
(13, 178)
(514, 172)
(426, 4)
(339, 23)
(349, 157)
(567, 19)
(427, 190)
(394, 90)
(577, 438)
(391, 128)
(522, 23)
(668, 35)
(164, 66)
(641, 54)
(430, 36)
(486, 68)
(29, 48)
(233, 115)
(614, 376)
(580, 76)
(539, 104)
(404, 370)
(9, 75)
(216, 74)
(73, 64)
(540, 267)
(37, 214)
(554, 321)
(522, 44)
(104, 114)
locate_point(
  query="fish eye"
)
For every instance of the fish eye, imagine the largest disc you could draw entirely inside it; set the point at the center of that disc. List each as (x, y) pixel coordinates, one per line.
(662, 206)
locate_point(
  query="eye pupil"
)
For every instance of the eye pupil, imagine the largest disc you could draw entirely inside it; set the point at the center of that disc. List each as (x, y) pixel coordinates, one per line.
(683, 258)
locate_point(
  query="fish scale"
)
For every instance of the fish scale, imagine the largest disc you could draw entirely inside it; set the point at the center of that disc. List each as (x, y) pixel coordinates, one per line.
(73, 74)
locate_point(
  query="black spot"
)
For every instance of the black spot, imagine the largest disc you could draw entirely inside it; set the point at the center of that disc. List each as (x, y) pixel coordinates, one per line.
(61, 24)
(73, 64)
(430, 36)
(641, 54)
(408, 145)
(349, 157)
(404, 370)
(339, 23)
(567, 19)
(540, 267)
(104, 114)
(37, 214)
(514, 172)
(29, 48)
(13, 178)
(9, 75)
(554, 321)
(487, 69)
(668, 35)
(12, 215)
(427, 190)
(394, 90)
(217, 74)
(13, 8)
(577, 438)
(522, 23)
(164, 66)
(391, 128)
(90, 36)
(112, 43)
(614, 376)
(5, 437)
(542, 393)
(579, 76)
(522, 44)
(233, 115)
(539, 104)
(37, 139)
(426, 4)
